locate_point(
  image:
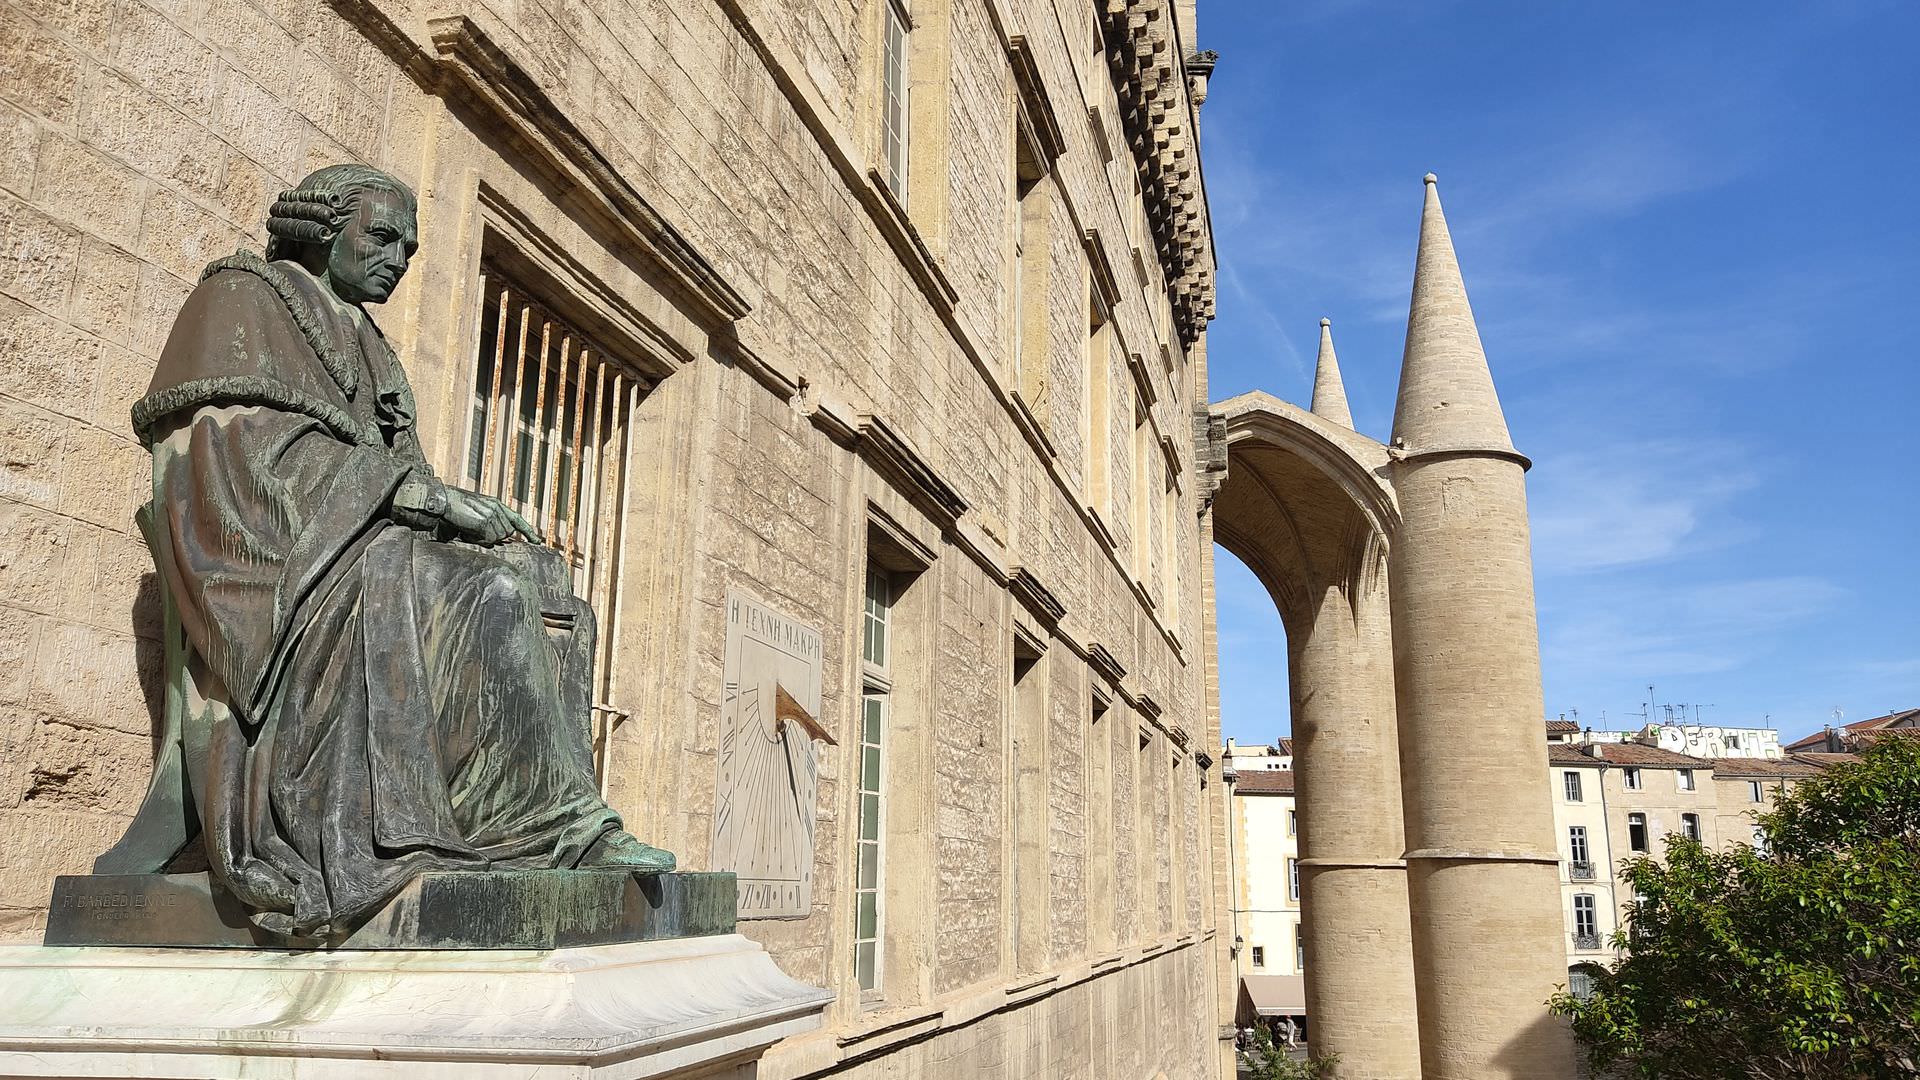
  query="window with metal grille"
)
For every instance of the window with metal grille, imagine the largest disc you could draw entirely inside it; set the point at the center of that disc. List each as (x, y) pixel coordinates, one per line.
(548, 436)
(893, 107)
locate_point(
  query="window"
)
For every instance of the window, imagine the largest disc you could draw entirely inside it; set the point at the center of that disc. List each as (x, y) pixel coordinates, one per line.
(893, 107)
(1630, 777)
(1637, 832)
(1259, 956)
(1580, 980)
(1293, 879)
(1690, 826)
(1586, 920)
(1684, 778)
(1573, 785)
(1300, 947)
(1754, 792)
(547, 435)
(1145, 468)
(1577, 843)
(1027, 277)
(1293, 823)
(1759, 840)
(876, 622)
(1733, 742)
(1099, 411)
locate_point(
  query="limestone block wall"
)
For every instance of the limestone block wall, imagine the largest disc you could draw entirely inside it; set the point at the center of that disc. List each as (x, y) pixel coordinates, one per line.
(693, 185)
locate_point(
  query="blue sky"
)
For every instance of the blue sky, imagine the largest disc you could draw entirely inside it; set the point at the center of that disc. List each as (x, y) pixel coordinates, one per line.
(1691, 233)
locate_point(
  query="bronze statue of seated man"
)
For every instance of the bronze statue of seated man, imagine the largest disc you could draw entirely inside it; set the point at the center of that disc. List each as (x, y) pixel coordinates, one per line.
(364, 685)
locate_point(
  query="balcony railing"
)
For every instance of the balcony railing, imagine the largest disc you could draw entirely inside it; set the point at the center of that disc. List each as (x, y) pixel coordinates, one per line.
(1580, 871)
(1586, 942)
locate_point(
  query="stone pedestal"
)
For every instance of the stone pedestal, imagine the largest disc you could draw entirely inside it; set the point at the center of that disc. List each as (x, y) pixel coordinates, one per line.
(686, 1007)
(513, 909)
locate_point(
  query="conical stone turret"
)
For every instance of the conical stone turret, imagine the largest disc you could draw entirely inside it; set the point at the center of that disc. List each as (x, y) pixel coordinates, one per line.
(1447, 400)
(1329, 393)
(1482, 870)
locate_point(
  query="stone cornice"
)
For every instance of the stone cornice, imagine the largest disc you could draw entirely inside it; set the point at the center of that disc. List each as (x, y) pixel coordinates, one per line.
(1036, 108)
(1156, 111)
(472, 66)
(1036, 597)
(1104, 662)
(895, 458)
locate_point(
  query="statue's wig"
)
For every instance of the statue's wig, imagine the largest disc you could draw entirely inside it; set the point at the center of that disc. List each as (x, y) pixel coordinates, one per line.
(315, 211)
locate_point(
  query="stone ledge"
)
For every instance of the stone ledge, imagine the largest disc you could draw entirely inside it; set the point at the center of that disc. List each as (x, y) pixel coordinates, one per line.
(631, 1011)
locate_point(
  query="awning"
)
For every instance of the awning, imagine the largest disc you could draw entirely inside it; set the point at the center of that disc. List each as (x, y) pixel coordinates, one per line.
(1272, 995)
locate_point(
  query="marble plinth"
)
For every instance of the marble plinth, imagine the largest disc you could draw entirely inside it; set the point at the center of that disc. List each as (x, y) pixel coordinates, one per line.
(705, 1006)
(521, 909)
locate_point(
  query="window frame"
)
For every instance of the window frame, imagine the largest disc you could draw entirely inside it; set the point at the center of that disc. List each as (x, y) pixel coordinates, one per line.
(1631, 778)
(1573, 788)
(1577, 846)
(1690, 828)
(876, 690)
(896, 108)
(1591, 910)
(1683, 780)
(1637, 837)
(1293, 880)
(1756, 792)
(1259, 956)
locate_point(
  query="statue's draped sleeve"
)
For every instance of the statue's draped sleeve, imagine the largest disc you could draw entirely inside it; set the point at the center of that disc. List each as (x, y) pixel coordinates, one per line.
(268, 476)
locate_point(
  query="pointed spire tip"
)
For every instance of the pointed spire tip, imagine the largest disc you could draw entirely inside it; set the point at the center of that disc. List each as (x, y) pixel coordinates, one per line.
(1430, 178)
(1326, 321)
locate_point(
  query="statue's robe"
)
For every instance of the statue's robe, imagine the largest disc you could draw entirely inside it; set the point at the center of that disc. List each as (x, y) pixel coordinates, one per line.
(383, 702)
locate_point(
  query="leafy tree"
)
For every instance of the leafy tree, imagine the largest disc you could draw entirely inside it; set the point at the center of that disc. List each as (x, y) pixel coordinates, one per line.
(1799, 960)
(1266, 1059)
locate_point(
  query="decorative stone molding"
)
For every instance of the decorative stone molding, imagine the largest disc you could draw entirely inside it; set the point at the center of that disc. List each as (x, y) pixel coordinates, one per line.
(1104, 662)
(1036, 597)
(1101, 268)
(895, 458)
(1036, 110)
(1156, 111)
(472, 66)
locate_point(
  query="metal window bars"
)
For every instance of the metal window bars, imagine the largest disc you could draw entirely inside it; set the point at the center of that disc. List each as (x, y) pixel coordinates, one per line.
(549, 436)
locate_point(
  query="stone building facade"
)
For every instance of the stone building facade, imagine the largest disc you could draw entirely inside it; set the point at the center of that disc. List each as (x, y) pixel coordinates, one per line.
(882, 319)
(1614, 801)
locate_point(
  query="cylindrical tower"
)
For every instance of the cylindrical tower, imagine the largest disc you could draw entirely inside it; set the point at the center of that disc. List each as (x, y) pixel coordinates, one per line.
(1360, 988)
(1481, 866)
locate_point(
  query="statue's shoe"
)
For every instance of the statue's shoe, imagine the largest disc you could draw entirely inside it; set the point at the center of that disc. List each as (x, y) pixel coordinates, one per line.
(619, 850)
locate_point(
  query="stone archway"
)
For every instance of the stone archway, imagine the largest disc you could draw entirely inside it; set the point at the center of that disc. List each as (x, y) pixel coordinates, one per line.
(1305, 506)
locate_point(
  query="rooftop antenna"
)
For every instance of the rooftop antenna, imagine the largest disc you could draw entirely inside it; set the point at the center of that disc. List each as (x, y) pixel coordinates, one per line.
(1839, 714)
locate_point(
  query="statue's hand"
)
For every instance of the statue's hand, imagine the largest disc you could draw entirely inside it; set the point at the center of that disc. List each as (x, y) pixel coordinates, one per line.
(484, 519)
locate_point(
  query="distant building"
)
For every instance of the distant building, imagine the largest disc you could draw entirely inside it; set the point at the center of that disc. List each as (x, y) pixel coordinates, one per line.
(1617, 795)
(1270, 952)
(1703, 740)
(1855, 736)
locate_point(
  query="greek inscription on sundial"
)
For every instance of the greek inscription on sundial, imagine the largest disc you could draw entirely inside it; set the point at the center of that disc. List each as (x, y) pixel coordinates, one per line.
(769, 774)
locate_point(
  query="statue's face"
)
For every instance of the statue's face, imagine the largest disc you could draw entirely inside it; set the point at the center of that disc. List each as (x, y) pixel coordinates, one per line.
(370, 254)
